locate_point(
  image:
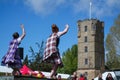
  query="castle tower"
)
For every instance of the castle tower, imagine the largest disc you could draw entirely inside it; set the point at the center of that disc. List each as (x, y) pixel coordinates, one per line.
(90, 47)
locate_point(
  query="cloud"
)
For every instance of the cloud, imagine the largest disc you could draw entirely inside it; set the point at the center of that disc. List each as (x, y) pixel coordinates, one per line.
(100, 8)
(81, 5)
(43, 7)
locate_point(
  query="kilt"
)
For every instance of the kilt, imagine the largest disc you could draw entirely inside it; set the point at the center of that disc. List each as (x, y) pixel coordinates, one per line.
(54, 59)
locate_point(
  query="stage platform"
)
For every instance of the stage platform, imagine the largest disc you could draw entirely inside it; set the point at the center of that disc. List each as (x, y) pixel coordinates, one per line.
(22, 78)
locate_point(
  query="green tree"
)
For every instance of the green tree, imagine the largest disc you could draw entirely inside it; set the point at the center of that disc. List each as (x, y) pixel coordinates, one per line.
(69, 59)
(35, 61)
(112, 46)
(36, 57)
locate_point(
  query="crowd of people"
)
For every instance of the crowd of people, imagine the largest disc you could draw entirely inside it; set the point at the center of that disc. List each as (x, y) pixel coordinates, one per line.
(84, 77)
(108, 77)
(76, 77)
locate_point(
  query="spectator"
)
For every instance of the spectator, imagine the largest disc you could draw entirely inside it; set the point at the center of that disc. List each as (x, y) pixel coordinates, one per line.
(74, 76)
(85, 75)
(109, 77)
(59, 77)
(82, 77)
(100, 76)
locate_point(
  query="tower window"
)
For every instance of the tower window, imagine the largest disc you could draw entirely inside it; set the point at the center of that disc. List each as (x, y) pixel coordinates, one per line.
(78, 28)
(86, 61)
(85, 40)
(94, 28)
(85, 28)
(86, 49)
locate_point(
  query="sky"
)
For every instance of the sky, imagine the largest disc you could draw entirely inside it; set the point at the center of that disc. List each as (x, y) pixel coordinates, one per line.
(38, 16)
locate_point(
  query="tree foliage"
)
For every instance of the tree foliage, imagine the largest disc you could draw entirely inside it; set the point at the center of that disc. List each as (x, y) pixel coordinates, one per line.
(69, 59)
(26, 61)
(112, 46)
(35, 59)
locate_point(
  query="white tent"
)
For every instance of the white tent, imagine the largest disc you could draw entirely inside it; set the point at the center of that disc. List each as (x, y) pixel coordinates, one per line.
(5, 69)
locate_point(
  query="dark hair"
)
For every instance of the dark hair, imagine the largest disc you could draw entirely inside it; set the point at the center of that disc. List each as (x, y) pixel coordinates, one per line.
(15, 35)
(55, 28)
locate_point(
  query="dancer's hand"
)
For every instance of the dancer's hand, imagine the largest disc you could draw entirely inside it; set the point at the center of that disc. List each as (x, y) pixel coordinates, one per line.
(67, 26)
(22, 26)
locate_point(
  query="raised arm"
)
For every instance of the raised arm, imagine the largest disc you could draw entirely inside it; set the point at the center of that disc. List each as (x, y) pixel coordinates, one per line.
(64, 31)
(23, 31)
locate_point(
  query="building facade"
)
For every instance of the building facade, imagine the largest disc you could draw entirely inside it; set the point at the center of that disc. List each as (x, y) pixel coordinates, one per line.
(90, 47)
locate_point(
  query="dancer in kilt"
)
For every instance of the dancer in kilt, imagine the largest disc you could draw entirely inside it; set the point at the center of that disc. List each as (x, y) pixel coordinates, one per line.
(12, 58)
(51, 52)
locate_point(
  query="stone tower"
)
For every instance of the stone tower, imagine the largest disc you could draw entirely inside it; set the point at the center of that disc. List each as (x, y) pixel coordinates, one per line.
(90, 47)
